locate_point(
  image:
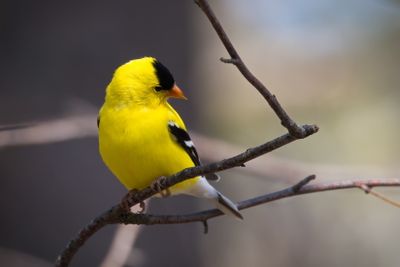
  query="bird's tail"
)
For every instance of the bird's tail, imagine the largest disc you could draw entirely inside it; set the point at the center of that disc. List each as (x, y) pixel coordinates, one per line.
(225, 205)
(203, 189)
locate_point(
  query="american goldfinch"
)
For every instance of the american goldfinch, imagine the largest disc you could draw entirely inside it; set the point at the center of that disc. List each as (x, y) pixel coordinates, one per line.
(142, 138)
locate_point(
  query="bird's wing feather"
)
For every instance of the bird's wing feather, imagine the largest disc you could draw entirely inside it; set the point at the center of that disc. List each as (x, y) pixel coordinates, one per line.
(182, 137)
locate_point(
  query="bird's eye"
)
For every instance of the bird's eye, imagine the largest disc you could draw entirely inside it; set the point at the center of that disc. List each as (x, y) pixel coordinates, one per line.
(158, 88)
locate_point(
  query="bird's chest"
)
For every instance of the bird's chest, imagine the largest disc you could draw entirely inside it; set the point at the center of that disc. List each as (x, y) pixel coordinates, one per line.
(134, 146)
(133, 133)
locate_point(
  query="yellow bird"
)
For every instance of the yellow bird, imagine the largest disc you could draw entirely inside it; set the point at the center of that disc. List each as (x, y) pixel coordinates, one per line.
(142, 138)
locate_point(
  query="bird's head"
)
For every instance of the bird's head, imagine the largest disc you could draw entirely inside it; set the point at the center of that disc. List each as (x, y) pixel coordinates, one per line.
(142, 81)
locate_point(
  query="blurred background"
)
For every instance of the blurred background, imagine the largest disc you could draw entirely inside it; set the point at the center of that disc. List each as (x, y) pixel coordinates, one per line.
(333, 63)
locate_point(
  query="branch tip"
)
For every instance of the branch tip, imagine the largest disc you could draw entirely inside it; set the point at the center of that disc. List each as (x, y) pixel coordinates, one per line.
(205, 225)
(300, 132)
(296, 131)
(296, 188)
(233, 61)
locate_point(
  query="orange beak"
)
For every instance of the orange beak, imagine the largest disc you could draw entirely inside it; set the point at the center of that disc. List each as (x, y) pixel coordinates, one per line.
(176, 92)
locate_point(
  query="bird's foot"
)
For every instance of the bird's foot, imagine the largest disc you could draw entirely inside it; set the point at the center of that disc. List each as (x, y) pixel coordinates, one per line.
(157, 185)
(129, 199)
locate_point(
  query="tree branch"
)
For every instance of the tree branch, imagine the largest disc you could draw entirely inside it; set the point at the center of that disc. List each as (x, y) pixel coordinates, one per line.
(300, 188)
(236, 60)
(115, 212)
(117, 215)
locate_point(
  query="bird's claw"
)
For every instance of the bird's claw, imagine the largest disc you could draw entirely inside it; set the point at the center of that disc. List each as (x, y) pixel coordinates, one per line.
(129, 199)
(157, 186)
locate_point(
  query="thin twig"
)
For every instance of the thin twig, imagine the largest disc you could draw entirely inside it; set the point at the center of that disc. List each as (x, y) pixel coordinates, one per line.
(229, 60)
(236, 60)
(205, 225)
(11, 127)
(50, 131)
(296, 188)
(368, 190)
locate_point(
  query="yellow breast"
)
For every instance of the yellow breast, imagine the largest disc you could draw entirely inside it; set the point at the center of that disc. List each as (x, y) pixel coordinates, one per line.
(137, 147)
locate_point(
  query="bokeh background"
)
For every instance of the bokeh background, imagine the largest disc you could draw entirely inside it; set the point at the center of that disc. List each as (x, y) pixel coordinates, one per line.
(333, 63)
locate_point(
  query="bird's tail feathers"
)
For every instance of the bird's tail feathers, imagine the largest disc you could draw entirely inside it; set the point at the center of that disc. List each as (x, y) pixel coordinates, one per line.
(203, 189)
(225, 205)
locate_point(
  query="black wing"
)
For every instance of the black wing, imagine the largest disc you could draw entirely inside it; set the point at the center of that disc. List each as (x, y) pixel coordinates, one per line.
(183, 139)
